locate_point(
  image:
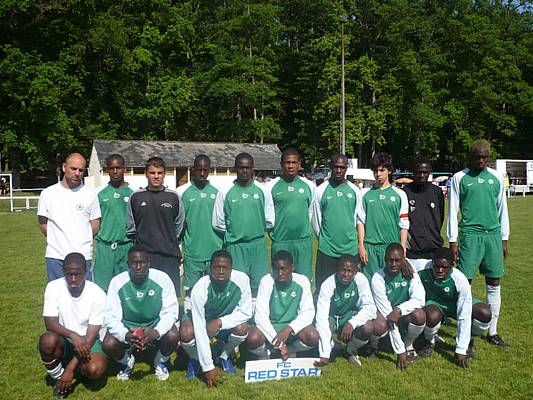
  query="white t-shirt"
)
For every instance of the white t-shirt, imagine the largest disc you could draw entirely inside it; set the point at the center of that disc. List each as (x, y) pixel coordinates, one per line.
(75, 313)
(69, 212)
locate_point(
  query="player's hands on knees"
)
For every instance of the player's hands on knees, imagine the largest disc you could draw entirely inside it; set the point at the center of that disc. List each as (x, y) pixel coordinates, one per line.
(150, 335)
(407, 270)
(393, 318)
(347, 332)
(65, 382)
(212, 377)
(363, 254)
(401, 361)
(461, 360)
(81, 345)
(320, 363)
(213, 327)
(135, 337)
(281, 338)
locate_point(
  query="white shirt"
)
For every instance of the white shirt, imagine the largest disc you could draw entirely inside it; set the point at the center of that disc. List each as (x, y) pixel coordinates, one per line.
(74, 313)
(69, 212)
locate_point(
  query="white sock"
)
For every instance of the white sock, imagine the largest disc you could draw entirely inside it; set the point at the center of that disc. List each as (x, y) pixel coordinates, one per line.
(374, 340)
(56, 372)
(254, 300)
(190, 349)
(297, 346)
(124, 359)
(261, 351)
(229, 346)
(187, 304)
(478, 328)
(431, 332)
(413, 331)
(355, 344)
(494, 301)
(160, 358)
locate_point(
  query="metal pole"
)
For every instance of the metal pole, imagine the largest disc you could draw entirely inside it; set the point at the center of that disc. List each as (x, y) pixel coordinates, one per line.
(342, 135)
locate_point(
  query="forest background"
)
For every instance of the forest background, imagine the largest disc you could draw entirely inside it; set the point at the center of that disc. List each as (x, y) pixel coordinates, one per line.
(421, 76)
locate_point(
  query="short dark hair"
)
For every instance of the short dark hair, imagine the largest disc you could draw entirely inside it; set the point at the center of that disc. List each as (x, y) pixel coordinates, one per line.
(422, 160)
(221, 254)
(282, 255)
(381, 160)
(394, 247)
(443, 253)
(77, 259)
(244, 156)
(290, 151)
(348, 258)
(200, 157)
(138, 248)
(338, 155)
(115, 156)
(157, 162)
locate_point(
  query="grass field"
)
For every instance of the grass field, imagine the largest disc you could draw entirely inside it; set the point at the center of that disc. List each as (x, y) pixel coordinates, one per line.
(494, 374)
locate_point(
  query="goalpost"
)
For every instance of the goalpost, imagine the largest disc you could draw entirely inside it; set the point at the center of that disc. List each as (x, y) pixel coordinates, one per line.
(9, 181)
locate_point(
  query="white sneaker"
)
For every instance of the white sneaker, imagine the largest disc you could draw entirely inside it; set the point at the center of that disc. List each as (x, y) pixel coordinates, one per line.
(354, 360)
(125, 371)
(161, 371)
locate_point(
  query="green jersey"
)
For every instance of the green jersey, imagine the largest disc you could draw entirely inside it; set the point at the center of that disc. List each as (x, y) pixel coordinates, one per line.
(293, 206)
(231, 302)
(279, 305)
(113, 205)
(243, 213)
(200, 239)
(384, 213)
(453, 296)
(335, 214)
(152, 303)
(480, 196)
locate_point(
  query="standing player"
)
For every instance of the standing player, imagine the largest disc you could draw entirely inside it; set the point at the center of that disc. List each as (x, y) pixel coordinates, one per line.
(426, 215)
(284, 312)
(243, 212)
(293, 204)
(73, 313)
(384, 218)
(478, 192)
(345, 308)
(221, 307)
(141, 311)
(155, 218)
(335, 211)
(69, 218)
(200, 239)
(399, 301)
(448, 294)
(112, 242)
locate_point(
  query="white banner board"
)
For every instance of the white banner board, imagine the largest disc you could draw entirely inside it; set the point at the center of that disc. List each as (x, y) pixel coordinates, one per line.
(265, 370)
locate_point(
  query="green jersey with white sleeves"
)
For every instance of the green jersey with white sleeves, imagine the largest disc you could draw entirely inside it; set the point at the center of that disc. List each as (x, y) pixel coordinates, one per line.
(451, 293)
(243, 213)
(152, 304)
(200, 239)
(335, 214)
(293, 206)
(231, 302)
(384, 213)
(352, 303)
(113, 205)
(279, 305)
(391, 291)
(480, 196)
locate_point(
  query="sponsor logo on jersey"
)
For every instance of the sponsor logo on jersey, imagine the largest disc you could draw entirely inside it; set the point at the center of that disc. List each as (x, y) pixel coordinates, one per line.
(116, 195)
(245, 195)
(256, 196)
(347, 295)
(480, 180)
(339, 194)
(382, 197)
(290, 189)
(166, 205)
(140, 295)
(203, 195)
(283, 294)
(79, 206)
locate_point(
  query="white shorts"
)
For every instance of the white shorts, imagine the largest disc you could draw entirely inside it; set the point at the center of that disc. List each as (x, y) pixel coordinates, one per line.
(419, 264)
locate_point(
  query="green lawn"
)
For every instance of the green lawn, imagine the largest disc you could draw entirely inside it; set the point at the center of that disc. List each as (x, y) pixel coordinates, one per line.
(494, 374)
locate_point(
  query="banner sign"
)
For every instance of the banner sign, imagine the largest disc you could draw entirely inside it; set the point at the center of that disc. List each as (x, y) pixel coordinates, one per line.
(266, 370)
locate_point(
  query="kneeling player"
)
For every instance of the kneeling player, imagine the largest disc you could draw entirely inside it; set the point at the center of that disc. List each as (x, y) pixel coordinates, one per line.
(73, 313)
(284, 312)
(345, 308)
(141, 311)
(399, 301)
(221, 304)
(448, 294)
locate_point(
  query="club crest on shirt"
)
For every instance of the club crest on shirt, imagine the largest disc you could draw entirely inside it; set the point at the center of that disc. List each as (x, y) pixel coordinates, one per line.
(393, 198)
(432, 205)
(151, 292)
(446, 289)
(126, 199)
(412, 202)
(256, 196)
(349, 195)
(213, 196)
(491, 181)
(79, 206)
(301, 190)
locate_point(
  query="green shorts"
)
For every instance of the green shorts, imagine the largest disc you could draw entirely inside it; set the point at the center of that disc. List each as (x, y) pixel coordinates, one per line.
(483, 251)
(376, 259)
(325, 267)
(250, 258)
(302, 253)
(69, 350)
(193, 271)
(447, 310)
(110, 260)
